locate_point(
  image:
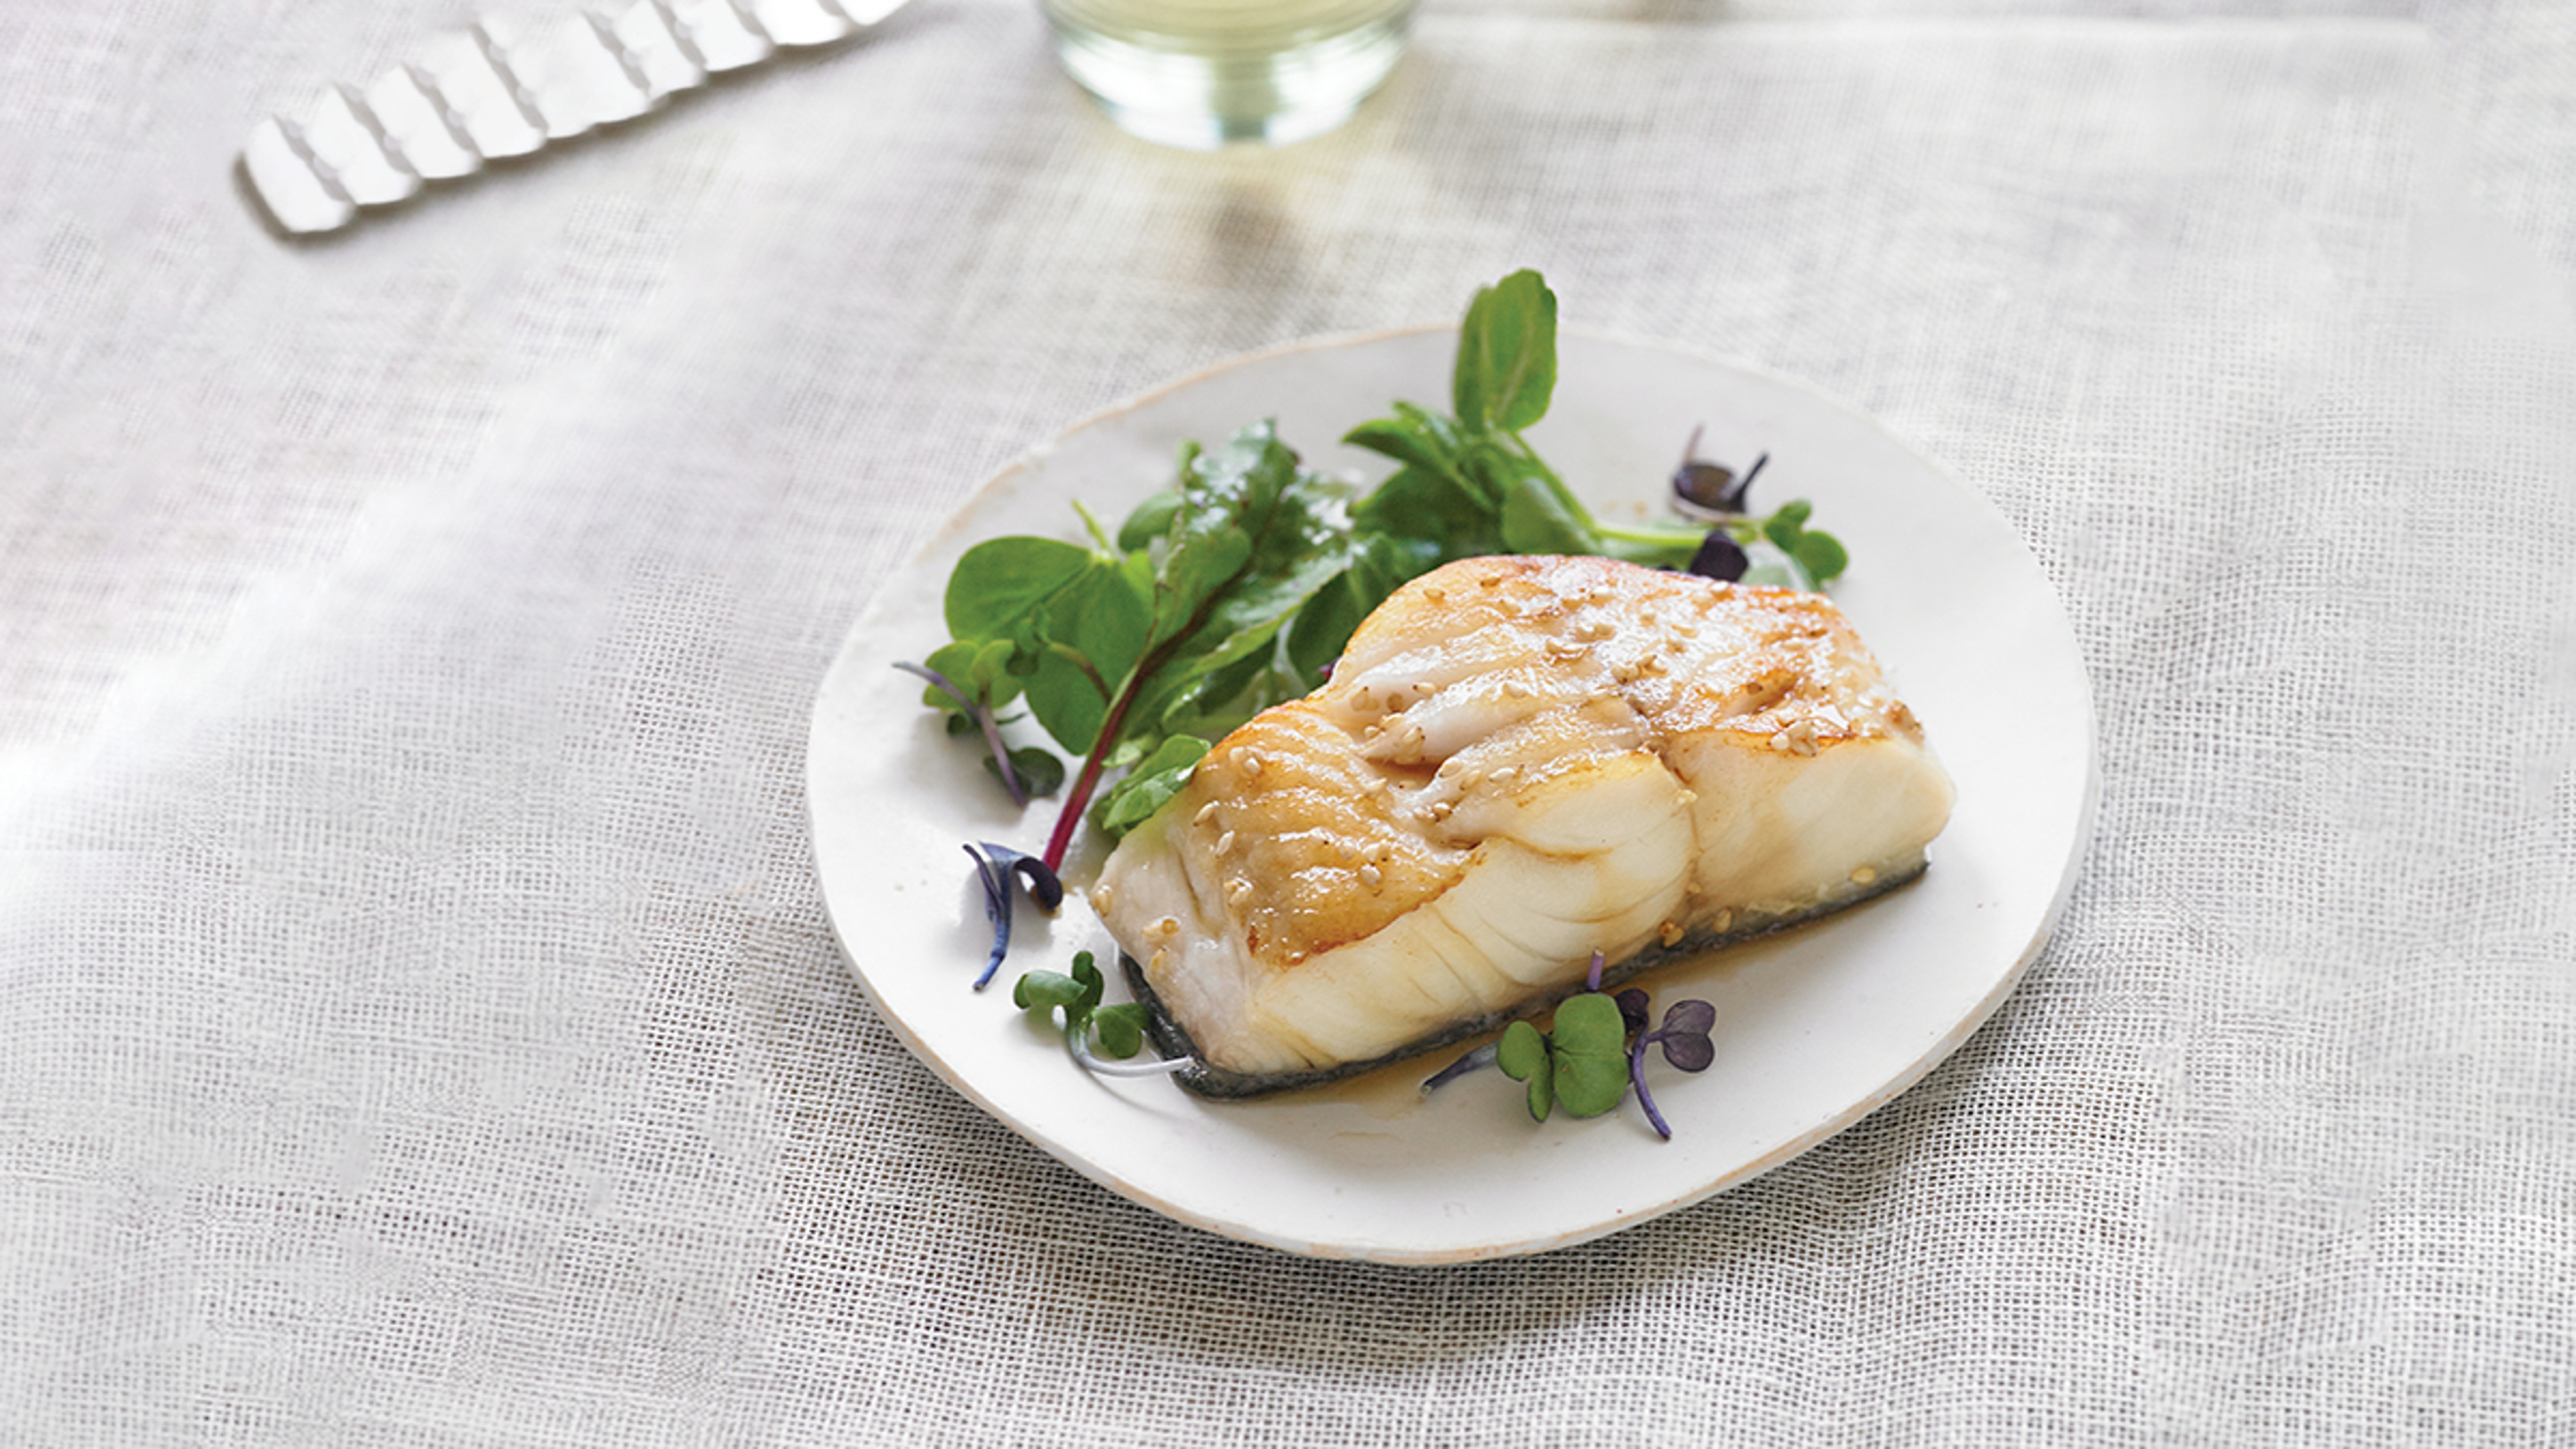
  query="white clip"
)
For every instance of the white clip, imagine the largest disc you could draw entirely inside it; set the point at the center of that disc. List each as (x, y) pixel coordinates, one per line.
(497, 89)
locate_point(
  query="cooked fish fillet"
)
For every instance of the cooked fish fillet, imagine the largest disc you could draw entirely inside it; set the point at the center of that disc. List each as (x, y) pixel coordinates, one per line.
(1518, 761)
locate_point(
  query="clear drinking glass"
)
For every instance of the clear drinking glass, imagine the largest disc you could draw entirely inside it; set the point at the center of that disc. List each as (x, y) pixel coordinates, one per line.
(1200, 73)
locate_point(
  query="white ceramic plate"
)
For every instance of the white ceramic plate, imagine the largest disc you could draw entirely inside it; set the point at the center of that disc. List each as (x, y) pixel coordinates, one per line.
(1815, 1027)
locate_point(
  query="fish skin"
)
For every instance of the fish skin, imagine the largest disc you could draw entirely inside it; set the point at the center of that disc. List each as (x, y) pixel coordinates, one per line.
(1519, 760)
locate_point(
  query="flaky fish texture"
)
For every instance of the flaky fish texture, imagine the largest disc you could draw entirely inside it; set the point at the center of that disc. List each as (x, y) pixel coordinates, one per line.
(1518, 761)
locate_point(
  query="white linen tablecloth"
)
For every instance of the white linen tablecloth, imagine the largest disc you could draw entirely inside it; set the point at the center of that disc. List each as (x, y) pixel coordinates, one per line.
(423, 1026)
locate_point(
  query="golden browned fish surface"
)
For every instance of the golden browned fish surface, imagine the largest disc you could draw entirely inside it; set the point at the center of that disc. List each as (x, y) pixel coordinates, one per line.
(1519, 761)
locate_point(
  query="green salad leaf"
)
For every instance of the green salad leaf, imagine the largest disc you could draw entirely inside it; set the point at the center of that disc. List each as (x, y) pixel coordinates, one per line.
(1469, 483)
(1237, 586)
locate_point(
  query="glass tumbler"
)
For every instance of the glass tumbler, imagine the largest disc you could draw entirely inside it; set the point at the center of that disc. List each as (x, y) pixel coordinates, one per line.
(1201, 73)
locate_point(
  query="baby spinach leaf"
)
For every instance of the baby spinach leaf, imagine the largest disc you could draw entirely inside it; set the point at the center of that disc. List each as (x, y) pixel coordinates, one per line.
(1506, 367)
(1150, 784)
(1069, 698)
(1002, 581)
(1149, 520)
(1240, 583)
(1538, 518)
(1102, 615)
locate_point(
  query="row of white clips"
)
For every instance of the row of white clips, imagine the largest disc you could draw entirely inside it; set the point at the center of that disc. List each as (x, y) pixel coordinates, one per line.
(502, 89)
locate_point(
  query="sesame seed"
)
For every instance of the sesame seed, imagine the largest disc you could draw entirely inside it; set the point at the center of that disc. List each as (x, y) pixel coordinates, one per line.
(1249, 763)
(1514, 689)
(1668, 933)
(1863, 875)
(1371, 876)
(1206, 813)
(1225, 842)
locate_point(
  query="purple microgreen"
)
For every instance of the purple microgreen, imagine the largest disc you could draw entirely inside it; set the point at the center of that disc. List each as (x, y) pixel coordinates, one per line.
(1744, 485)
(1684, 1038)
(1684, 1035)
(1646, 1099)
(1703, 489)
(1633, 1009)
(1044, 886)
(1039, 772)
(996, 880)
(1474, 1061)
(1720, 557)
(1592, 978)
(1002, 763)
(995, 865)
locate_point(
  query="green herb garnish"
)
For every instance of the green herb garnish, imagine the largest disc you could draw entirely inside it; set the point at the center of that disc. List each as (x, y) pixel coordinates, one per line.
(1593, 1054)
(1133, 652)
(1238, 586)
(1116, 1032)
(1468, 482)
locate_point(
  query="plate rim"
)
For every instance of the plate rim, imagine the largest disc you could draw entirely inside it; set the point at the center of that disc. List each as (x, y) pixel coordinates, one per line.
(1967, 1025)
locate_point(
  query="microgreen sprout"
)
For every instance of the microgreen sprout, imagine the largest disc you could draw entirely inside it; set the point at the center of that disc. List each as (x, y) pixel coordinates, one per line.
(1236, 588)
(1023, 771)
(1684, 1039)
(1118, 1032)
(996, 866)
(1792, 555)
(1474, 1061)
(1594, 1052)
(1710, 491)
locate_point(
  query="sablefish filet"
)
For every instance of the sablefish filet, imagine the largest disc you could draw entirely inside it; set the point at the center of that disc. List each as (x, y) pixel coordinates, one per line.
(1518, 761)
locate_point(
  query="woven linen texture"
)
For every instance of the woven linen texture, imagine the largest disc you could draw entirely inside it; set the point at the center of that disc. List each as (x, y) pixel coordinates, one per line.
(424, 1026)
